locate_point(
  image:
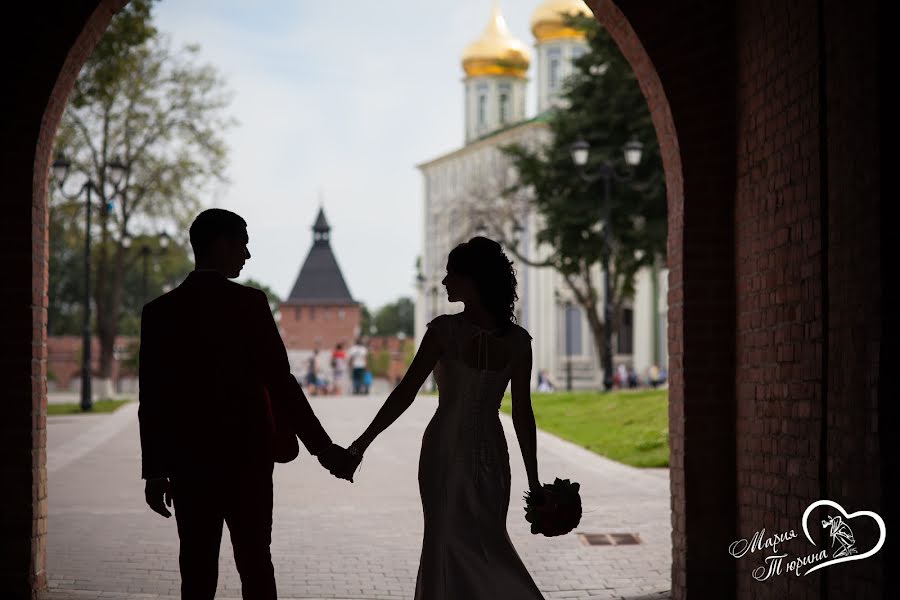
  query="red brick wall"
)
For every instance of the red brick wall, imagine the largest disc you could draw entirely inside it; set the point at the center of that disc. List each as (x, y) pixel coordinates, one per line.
(779, 302)
(683, 55)
(304, 327)
(64, 359)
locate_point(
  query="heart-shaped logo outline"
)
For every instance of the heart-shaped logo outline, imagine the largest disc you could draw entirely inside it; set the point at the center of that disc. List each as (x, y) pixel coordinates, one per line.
(865, 513)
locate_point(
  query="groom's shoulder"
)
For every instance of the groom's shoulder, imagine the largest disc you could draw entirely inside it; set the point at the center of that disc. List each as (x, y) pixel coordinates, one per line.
(245, 294)
(246, 291)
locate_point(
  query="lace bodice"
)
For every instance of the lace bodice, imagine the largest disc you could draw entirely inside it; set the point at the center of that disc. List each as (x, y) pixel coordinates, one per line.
(476, 347)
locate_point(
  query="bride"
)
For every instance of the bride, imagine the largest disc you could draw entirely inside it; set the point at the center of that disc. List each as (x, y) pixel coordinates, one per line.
(464, 476)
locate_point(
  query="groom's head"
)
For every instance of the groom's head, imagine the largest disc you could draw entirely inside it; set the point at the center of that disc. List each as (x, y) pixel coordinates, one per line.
(219, 239)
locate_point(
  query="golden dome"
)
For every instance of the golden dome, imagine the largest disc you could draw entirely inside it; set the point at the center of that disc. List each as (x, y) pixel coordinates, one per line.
(496, 52)
(547, 21)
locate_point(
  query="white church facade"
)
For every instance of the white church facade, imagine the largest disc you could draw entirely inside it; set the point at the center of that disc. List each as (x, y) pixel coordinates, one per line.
(496, 68)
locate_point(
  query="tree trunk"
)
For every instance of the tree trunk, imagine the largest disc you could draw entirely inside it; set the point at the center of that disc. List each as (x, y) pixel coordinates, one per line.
(108, 299)
(588, 303)
(597, 331)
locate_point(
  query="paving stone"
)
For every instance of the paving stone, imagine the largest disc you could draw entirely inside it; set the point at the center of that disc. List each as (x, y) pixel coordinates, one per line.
(340, 541)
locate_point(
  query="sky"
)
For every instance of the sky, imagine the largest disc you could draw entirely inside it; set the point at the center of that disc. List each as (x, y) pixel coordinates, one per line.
(338, 102)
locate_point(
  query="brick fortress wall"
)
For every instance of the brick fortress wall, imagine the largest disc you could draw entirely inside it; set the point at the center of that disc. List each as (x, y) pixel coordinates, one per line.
(308, 326)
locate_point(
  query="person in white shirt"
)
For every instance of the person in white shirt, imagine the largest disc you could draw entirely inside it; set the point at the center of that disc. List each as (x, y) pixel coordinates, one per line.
(358, 355)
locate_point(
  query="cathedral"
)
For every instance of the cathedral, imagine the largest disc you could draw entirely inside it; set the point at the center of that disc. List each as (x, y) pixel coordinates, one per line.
(496, 67)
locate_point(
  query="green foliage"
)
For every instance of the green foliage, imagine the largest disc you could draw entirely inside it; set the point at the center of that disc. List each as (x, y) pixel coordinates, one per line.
(395, 317)
(97, 407)
(409, 352)
(66, 271)
(379, 363)
(166, 268)
(607, 109)
(365, 319)
(627, 426)
(604, 106)
(162, 113)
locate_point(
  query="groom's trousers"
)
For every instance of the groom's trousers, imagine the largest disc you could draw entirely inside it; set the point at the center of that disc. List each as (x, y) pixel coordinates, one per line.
(242, 499)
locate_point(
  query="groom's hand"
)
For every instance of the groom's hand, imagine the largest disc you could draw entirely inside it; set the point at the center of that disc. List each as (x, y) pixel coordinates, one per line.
(336, 459)
(158, 494)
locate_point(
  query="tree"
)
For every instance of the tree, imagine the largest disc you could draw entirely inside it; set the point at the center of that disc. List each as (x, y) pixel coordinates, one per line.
(396, 317)
(603, 104)
(166, 268)
(159, 112)
(366, 320)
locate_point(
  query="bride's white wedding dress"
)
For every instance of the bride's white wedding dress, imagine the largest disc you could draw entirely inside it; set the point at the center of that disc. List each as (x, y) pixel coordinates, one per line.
(464, 476)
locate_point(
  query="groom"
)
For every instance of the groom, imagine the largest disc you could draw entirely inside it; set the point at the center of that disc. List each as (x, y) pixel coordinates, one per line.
(218, 406)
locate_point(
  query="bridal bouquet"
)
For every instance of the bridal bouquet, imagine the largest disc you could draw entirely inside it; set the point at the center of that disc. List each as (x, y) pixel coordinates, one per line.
(556, 510)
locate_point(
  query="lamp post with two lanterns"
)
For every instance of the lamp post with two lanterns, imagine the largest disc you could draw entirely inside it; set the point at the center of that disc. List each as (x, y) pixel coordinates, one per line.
(114, 172)
(146, 252)
(606, 171)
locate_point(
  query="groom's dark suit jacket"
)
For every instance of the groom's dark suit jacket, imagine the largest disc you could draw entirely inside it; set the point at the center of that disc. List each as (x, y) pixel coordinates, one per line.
(216, 391)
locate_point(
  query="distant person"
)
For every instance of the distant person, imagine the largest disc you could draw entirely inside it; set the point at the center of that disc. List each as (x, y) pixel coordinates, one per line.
(338, 368)
(218, 407)
(653, 375)
(632, 378)
(544, 384)
(313, 376)
(359, 358)
(621, 378)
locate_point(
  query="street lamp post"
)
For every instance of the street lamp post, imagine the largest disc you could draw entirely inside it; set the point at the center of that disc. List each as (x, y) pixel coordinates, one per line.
(606, 171)
(146, 253)
(116, 172)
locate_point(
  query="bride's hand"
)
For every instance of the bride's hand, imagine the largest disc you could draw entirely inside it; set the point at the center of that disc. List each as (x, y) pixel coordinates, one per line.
(355, 454)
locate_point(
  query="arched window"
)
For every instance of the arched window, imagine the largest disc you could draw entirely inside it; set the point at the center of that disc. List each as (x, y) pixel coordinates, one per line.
(482, 110)
(504, 108)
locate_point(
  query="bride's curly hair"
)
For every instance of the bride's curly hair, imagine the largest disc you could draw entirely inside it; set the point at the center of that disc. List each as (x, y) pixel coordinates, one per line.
(483, 260)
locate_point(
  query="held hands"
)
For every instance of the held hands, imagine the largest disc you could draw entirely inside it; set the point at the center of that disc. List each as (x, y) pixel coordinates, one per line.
(158, 494)
(339, 462)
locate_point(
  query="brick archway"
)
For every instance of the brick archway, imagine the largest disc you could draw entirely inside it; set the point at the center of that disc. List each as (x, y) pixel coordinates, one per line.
(700, 249)
(93, 23)
(768, 119)
(60, 38)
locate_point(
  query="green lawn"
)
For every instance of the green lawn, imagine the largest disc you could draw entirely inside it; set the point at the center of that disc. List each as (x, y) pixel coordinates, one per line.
(631, 427)
(73, 408)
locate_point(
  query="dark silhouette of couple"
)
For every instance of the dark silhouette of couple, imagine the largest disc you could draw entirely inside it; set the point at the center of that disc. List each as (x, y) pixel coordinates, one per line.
(219, 406)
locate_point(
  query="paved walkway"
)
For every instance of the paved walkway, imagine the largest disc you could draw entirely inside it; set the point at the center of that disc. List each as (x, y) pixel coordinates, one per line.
(333, 539)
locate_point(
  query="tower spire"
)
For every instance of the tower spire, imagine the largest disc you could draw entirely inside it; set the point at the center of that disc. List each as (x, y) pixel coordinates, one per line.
(321, 228)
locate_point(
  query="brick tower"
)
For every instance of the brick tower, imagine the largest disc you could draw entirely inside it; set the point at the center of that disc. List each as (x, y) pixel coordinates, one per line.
(320, 312)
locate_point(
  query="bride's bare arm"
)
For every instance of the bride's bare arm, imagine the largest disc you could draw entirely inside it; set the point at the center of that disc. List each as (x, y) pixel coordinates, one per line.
(523, 417)
(403, 395)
